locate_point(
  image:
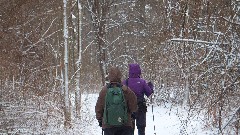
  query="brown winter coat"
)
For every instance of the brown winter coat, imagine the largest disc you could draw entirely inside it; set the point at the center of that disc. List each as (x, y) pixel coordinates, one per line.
(114, 78)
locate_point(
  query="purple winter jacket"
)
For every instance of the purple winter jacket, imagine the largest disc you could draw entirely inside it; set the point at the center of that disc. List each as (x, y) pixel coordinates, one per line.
(138, 85)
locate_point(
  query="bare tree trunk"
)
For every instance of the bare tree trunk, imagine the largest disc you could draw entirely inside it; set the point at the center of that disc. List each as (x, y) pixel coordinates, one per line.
(187, 89)
(99, 20)
(79, 61)
(237, 122)
(67, 113)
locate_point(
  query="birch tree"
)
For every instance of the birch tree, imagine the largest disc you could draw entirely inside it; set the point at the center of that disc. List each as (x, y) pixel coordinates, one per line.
(67, 112)
(79, 59)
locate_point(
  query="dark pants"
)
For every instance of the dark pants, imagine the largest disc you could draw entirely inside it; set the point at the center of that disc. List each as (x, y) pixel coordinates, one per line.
(140, 122)
(141, 119)
(141, 130)
(140, 116)
(124, 130)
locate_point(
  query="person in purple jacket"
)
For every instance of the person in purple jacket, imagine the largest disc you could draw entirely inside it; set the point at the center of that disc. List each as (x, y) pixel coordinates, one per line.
(140, 87)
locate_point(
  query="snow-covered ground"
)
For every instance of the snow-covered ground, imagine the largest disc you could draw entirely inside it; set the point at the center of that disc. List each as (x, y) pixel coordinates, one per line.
(168, 120)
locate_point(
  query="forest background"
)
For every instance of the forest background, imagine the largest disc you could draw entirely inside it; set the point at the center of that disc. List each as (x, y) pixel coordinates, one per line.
(53, 50)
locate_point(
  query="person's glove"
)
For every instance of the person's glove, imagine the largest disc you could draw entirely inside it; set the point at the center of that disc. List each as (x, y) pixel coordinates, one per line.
(100, 123)
(150, 85)
(133, 115)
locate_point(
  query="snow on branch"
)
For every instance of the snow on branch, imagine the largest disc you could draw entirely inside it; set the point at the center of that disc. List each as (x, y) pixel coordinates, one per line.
(195, 41)
(230, 21)
(233, 115)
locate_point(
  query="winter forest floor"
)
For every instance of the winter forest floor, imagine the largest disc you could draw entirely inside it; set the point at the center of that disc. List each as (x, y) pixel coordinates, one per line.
(168, 120)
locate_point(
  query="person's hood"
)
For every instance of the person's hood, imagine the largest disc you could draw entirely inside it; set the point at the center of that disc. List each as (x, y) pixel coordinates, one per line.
(114, 75)
(134, 70)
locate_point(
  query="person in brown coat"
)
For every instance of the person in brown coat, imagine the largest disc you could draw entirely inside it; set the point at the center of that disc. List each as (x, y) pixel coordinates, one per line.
(115, 78)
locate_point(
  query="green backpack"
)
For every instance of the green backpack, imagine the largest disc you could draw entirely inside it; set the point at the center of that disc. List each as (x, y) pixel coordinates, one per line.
(115, 110)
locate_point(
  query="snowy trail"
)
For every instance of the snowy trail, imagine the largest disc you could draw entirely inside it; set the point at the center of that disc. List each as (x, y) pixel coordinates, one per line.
(166, 122)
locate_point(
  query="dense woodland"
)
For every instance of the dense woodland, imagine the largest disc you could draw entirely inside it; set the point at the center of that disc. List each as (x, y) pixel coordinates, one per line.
(51, 50)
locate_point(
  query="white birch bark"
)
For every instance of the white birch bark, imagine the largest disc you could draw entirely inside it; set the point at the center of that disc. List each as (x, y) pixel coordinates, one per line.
(79, 60)
(187, 89)
(67, 114)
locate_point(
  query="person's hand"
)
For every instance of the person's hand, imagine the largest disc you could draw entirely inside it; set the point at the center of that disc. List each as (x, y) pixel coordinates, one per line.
(100, 123)
(150, 85)
(133, 115)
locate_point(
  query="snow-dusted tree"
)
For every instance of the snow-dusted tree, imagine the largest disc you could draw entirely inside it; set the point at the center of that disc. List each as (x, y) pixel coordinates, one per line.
(67, 111)
(76, 53)
(79, 60)
(99, 10)
(191, 47)
(207, 56)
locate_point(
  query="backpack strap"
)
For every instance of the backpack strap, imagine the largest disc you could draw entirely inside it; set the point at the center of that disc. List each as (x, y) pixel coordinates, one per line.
(127, 81)
(110, 85)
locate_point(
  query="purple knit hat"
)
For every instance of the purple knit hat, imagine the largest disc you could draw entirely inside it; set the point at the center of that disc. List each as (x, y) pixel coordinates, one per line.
(134, 70)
